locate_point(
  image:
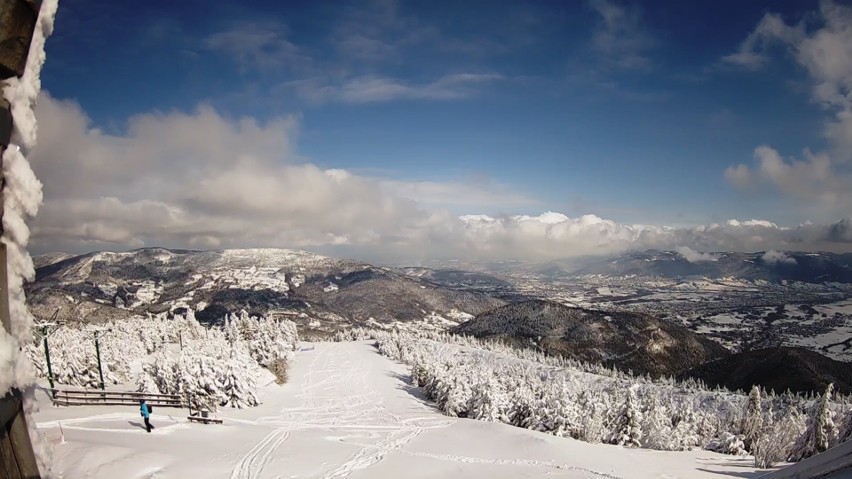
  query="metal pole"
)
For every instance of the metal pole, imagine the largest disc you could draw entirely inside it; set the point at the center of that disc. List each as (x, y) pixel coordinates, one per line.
(47, 357)
(100, 368)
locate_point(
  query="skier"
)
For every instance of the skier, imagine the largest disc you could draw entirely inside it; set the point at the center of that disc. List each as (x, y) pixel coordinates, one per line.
(145, 409)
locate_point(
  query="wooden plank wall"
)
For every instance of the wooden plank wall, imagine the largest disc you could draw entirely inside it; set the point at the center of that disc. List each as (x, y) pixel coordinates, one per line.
(16, 451)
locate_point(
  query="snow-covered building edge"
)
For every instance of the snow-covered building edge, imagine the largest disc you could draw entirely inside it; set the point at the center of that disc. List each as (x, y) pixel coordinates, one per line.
(22, 196)
(835, 463)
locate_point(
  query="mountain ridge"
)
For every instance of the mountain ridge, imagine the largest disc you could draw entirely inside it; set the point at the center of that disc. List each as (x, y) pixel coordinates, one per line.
(625, 340)
(774, 266)
(331, 291)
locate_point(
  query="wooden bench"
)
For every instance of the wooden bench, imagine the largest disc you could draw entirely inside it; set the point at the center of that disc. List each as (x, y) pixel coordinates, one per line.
(205, 420)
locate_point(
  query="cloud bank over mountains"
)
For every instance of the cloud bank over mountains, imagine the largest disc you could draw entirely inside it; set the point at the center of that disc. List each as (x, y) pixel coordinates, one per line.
(200, 180)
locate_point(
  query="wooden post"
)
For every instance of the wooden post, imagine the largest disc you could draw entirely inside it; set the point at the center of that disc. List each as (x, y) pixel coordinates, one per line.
(16, 451)
(5, 136)
(17, 24)
(17, 457)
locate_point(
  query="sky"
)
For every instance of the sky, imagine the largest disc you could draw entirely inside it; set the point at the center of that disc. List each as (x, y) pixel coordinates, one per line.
(402, 131)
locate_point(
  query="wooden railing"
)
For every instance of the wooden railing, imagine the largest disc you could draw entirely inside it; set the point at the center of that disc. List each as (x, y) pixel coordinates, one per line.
(68, 397)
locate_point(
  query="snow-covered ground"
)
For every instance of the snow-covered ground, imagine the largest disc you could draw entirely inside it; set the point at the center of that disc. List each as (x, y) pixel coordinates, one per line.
(346, 412)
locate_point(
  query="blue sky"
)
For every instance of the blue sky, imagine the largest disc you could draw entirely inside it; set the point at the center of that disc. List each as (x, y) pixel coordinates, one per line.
(636, 112)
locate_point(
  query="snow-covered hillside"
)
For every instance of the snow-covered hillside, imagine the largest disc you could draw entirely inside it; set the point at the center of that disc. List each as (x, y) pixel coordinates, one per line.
(641, 343)
(317, 292)
(346, 412)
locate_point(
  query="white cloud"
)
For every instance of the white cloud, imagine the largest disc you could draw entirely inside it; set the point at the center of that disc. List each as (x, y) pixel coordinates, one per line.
(364, 48)
(693, 256)
(259, 45)
(752, 53)
(182, 178)
(739, 175)
(821, 45)
(373, 32)
(814, 179)
(200, 180)
(620, 37)
(373, 89)
(471, 194)
(747, 223)
(553, 235)
(777, 257)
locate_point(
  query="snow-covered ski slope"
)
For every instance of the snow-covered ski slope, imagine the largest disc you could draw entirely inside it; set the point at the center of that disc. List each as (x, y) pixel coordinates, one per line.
(346, 412)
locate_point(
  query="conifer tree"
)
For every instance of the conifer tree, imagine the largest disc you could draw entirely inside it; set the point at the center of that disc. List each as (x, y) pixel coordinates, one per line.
(657, 425)
(844, 432)
(752, 423)
(146, 382)
(820, 430)
(628, 430)
(489, 401)
(239, 381)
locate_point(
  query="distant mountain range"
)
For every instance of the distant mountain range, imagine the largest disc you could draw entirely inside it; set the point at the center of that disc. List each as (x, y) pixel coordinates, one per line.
(325, 294)
(329, 292)
(625, 340)
(768, 266)
(645, 345)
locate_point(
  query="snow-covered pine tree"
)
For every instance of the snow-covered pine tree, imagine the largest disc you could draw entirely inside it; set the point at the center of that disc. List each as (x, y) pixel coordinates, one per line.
(844, 431)
(456, 397)
(202, 391)
(727, 443)
(521, 404)
(826, 429)
(775, 444)
(489, 401)
(81, 366)
(820, 430)
(146, 382)
(657, 425)
(685, 433)
(559, 415)
(707, 426)
(752, 424)
(594, 408)
(119, 349)
(232, 329)
(163, 370)
(628, 429)
(239, 383)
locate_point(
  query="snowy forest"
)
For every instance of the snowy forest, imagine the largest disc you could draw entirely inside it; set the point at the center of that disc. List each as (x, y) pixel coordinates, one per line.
(207, 367)
(221, 366)
(491, 381)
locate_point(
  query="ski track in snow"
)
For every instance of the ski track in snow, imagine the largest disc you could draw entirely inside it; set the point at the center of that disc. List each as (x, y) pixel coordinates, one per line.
(252, 464)
(160, 427)
(336, 396)
(337, 399)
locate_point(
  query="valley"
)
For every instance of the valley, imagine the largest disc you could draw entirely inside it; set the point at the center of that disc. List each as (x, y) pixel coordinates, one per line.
(557, 352)
(648, 317)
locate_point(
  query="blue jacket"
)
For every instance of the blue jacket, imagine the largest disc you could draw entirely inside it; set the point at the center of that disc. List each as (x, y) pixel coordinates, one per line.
(144, 409)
